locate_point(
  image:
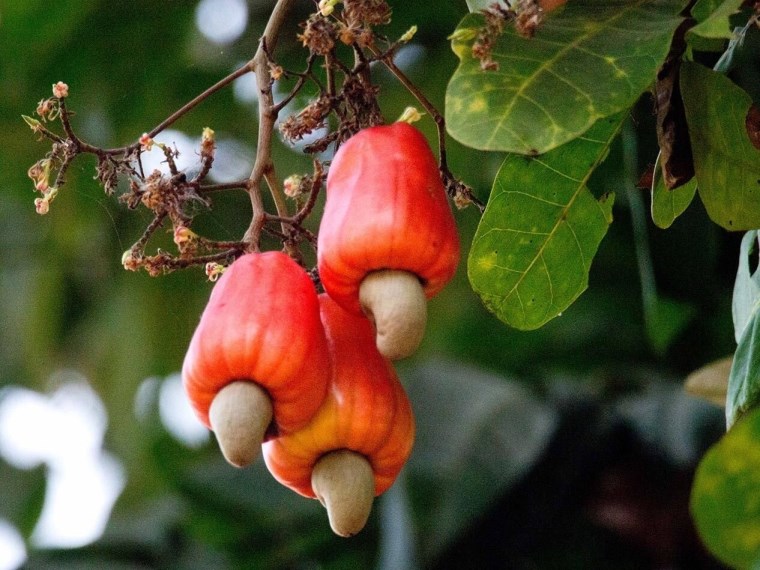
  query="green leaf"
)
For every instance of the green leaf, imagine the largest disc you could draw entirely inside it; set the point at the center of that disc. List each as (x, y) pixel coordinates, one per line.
(533, 248)
(727, 165)
(724, 498)
(667, 204)
(713, 17)
(744, 379)
(746, 299)
(587, 61)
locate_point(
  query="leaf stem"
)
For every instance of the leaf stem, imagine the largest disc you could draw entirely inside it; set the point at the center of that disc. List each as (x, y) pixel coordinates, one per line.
(639, 223)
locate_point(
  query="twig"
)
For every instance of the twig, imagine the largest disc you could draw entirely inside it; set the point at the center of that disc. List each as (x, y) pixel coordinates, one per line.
(316, 185)
(387, 59)
(263, 167)
(209, 188)
(440, 123)
(181, 262)
(302, 77)
(156, 223)
(222, 83)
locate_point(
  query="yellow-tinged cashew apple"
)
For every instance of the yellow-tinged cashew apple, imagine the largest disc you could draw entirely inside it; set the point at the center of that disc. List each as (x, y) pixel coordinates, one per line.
(359, 439)
(258, 362)
(387, 239)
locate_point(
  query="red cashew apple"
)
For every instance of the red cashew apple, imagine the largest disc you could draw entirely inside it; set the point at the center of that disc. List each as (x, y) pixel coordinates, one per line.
(387, 239)
(362, 435)
(258, 362)
(549, 5)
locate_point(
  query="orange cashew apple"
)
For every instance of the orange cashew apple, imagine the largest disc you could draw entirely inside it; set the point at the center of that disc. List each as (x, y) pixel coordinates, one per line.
(258, 362)
(387, 240)
(362, 435)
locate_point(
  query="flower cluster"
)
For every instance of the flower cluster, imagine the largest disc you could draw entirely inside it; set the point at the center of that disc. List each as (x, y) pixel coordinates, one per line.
(526, 15)
(308, 120)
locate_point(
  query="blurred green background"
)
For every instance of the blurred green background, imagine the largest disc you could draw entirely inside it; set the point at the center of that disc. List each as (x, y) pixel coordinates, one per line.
(569, 447)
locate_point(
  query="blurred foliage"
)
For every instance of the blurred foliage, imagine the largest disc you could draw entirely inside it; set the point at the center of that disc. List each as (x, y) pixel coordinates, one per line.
(528, 442)
(725, 498)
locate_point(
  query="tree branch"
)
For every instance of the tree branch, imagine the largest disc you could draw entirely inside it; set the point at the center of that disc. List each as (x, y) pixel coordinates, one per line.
(264, 166)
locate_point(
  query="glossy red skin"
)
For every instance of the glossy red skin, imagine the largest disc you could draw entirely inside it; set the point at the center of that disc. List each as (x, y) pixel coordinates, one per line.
(262, 325)
(386, 208)
(366, 410)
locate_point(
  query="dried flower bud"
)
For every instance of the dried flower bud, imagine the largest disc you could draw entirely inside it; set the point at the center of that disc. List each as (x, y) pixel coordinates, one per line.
(529, 16)
(318, 35)
(36, 170)
(327, 7)
(130, 261)
(208, 143)
(42, 206)
(155, 265)
(308, 120)
(146, 142)
(214, 270)
(183, 236)
(410, 115)
(47, 109)
(60, 90)
(275, 71)
(408, 35)
(367, 12)
(462, 200)
(346, 34)
(292, 185)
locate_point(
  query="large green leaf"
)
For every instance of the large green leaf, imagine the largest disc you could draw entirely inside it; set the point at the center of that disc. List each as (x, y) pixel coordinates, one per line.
(727, 165)
(533, 248)
(713, 17)
(668, 204)
(724, 498)
(589, 60)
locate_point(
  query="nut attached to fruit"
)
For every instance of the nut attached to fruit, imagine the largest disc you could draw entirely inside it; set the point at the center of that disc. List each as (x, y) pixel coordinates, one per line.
(395, 301)
(345, 485)
(387, 210)
(258, 362)
(359, 439)
(239, 416)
